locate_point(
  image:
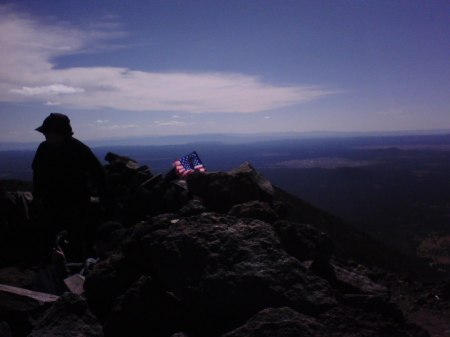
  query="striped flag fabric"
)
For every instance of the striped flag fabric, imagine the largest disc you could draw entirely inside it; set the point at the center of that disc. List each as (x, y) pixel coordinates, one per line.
(188, 164)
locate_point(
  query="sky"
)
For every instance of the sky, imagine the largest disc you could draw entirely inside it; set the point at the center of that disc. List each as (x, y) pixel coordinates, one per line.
(122, 68)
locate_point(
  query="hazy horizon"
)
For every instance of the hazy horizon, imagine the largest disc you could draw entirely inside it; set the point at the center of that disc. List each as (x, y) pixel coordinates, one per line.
(236, 138)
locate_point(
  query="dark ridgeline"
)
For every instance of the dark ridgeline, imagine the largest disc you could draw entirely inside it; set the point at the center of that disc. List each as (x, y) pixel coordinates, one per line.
(226, 254)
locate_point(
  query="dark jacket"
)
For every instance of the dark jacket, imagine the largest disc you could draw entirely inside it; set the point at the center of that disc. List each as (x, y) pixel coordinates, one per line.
(67, 173)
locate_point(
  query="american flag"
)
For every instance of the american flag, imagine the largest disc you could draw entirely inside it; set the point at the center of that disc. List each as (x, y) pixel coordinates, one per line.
(188, 164)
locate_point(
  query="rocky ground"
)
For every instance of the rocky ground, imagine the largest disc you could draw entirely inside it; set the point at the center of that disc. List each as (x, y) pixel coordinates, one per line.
(227, 255)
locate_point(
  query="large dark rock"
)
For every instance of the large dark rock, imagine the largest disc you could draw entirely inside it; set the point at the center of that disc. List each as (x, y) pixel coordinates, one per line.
(68, 317)
(192, 207)
(15, 230)
(352, 281)
(368, 316)
(17, 305)
(255, 210)
(135, 194)
(145, 309)
(108, 280)
(303, 241)
(279, 322)
(131, 173)
(125, 179)
(220, 191)
(5, 331)
(226, 269)
(211, 272)
(221, 268)
(17, 277)
(208, 257)
(371, 318)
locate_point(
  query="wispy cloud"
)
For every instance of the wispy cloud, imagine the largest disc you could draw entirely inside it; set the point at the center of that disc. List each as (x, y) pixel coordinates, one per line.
(110, 127)
(102, 121)
(49, 90)
(52, 103)
(121, 126)
(171, 123)
(28, 73)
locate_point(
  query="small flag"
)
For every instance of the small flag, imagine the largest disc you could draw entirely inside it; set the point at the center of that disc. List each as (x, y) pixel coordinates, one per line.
(188, 164)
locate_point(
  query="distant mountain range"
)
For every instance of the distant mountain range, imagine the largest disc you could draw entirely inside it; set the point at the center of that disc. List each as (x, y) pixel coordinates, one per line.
(229, 138)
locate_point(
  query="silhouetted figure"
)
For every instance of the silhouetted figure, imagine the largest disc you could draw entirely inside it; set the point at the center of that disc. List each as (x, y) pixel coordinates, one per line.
(65, 175)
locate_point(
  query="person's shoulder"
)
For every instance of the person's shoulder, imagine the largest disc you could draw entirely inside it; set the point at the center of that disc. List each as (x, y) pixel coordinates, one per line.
(42, 152)
(42, 146)
(78, 144)
(73, 140)
(79, 148)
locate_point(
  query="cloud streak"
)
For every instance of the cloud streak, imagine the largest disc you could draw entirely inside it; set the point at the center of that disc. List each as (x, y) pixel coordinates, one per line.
(171, 123)
(49, 90)
(28, 73)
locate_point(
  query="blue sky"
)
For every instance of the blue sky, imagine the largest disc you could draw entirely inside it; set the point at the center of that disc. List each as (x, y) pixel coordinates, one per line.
(135, 68)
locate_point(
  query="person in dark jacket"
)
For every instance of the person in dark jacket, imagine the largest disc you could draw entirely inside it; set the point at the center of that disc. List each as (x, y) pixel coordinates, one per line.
(65, 175)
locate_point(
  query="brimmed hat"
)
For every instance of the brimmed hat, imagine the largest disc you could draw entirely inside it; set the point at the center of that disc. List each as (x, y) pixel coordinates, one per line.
(56, 123)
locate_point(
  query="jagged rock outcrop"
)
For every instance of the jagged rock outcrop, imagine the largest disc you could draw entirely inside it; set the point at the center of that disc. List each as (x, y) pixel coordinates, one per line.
(337, 322)
(239, 263)
(255, 210)
(17, 276)
(304, 241)
(5, 331)
(213, 256)
(215, 271)
(14, 225)
(68, 317)
(144, 307)
(280, 322)
(220, 191)
(18, 305)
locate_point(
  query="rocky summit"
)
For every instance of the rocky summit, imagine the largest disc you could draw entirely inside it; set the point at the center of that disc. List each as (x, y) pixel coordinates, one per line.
(220, 254)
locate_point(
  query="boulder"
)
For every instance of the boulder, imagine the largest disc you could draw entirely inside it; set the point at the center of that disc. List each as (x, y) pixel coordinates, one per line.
(144, 309)
(352, 281)
(239, 263)
(279, 322)
(17, 305)
(5, 331)
(445, 291)
(255, 209)
(15, 231)
(222, 269)
(108, 280)
(192, 207)
(368, 316)
(127, 166)
(304, 242)
(220, 191)
(17, 277)
(126, 179)
(68, 317)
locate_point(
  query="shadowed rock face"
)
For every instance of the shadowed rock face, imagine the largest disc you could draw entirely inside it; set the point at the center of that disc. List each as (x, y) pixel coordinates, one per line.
(212, 272)
(220, 191)
(279, 322)
(238, 263)
(224, 269)
(144, 304)
(18, 304)
(255, 210)
(214, 257)
(68, 317)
